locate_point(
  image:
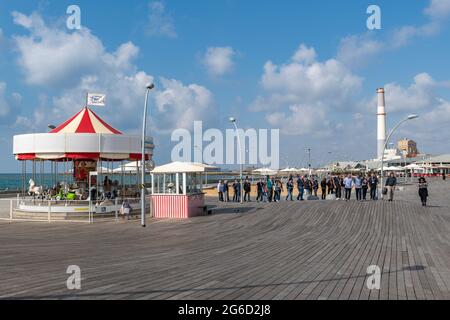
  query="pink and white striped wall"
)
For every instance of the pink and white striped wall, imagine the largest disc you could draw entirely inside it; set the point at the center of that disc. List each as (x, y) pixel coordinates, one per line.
(177, 206)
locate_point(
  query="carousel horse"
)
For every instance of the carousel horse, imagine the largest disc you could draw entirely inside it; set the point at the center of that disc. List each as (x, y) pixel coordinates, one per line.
(34, 190)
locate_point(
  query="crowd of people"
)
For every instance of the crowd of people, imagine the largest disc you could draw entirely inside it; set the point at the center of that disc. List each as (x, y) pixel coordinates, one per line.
(339, 187)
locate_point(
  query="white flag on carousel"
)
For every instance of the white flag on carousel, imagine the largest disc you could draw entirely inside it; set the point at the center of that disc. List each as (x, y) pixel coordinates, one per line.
(96, 100)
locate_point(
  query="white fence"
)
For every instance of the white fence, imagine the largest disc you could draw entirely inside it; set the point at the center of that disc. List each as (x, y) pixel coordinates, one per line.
(20, 209)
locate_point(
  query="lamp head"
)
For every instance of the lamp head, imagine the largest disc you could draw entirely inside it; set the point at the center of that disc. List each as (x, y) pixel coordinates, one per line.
(150, 86)
(51, 126)
(412, 116)
(233, 120)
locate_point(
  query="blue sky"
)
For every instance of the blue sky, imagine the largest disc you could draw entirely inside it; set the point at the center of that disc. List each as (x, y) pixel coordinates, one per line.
(310, 68)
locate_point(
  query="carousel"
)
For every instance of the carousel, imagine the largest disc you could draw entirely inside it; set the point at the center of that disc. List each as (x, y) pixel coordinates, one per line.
(79, 166)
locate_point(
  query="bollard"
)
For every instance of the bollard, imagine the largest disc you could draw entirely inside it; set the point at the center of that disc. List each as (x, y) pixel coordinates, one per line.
(49, 211)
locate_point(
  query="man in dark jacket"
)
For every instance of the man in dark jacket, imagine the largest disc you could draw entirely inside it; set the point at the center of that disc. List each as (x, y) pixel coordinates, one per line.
(259, 189)
(300, 187)
(373, 184)
(247, 190)
(391, 182)
(337, 187)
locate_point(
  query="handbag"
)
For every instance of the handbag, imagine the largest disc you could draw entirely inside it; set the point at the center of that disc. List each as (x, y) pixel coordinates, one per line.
(385, 191)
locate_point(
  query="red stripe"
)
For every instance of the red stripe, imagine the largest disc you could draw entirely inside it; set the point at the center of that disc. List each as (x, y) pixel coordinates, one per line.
(26, 156)
(173, 207)
(82, 156)
(62, 126)
(85, 125)
(138, 156)
(105, 124)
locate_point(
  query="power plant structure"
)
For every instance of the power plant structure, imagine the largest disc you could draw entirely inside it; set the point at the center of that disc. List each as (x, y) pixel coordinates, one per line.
(381, 123)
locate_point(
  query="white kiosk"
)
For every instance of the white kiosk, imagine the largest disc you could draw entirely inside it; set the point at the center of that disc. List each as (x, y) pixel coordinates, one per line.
(177, 190)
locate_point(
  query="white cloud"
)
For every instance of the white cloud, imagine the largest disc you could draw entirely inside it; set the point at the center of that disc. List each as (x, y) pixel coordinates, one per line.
(178, 106)
(299, 120)
(356, 50)
(418, 96)
(302, 96)
(113, 73)
(50, 56)
(304, 54)
(306, 81)
(219, 60)
(438, 9)
(159, 22)
(4, 105)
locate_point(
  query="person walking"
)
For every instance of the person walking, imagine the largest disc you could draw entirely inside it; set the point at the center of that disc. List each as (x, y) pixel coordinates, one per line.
(315, 186)
(259, 191)
(391, 183)
(226, 190)
(323, 187)
(247, 190)
(373, 184)
(423, 191)
(290, 189)
(300, 187)
(337, 186)
(348, 184)
(235, 191)
(330, 184)
(358, 187)
(278, 190)
(443, 176)
(238, 192)
(308, 186)
(265, 192)
(220, 190)
(365, 187)
(270, 186)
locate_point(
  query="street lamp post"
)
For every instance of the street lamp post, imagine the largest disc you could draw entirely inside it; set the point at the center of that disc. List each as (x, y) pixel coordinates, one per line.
(144, 129)
(309, 162)
(410, 117)
(233, 121)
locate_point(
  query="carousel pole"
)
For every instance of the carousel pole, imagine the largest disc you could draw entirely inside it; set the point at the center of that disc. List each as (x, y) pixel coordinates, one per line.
(34, 170)
(144, 129)
(24, 176)
(121, 179)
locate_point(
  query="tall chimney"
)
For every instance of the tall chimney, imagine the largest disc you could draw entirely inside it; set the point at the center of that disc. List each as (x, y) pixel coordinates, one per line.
(381, 119)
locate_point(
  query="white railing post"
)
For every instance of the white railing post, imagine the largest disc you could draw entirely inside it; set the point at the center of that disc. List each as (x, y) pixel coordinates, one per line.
(10, 210)
(116, 211)
(49, 211)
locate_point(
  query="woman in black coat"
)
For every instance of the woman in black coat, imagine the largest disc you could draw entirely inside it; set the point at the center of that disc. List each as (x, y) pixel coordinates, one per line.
(423, 191)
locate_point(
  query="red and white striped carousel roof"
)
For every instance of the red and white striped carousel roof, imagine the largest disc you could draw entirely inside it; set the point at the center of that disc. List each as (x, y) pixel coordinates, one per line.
(85, 121)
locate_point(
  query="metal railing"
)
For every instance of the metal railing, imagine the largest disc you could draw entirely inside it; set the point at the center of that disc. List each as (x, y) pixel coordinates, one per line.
(37, 210)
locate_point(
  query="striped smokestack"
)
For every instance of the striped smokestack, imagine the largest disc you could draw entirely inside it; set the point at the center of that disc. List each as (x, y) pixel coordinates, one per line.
(381, 119)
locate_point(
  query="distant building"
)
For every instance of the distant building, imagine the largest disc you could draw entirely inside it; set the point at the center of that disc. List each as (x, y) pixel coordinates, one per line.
(391, 154)
(408, 147)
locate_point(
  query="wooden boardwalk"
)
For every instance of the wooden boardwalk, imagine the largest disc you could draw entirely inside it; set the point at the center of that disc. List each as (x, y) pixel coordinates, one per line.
(289, 250)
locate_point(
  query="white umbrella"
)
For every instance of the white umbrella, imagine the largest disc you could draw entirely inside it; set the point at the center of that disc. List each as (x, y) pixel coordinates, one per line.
(265, 172)
(413, 166)
(393, 169)
(289, 170)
